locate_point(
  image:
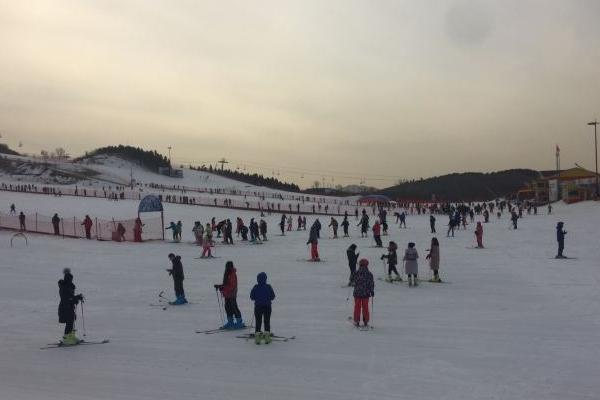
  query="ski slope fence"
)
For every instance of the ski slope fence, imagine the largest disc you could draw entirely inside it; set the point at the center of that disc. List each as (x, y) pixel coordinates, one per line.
(102, 229)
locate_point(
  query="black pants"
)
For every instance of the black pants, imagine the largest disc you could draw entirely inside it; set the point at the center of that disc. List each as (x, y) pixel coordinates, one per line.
(179, 288)
(432, 228)
(260, 313)
(56, 230)
(378, 240)
(69, 327)
(231, 308)
(561, 247)
(392, 268)
(345, 231)
(352, 273)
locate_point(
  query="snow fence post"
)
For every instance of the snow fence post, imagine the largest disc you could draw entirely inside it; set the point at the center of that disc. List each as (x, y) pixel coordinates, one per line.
(62, 224)
(36, 224)
(74, 228)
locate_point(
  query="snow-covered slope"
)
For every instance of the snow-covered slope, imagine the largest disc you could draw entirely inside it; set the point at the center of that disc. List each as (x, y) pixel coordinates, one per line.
(509, 323)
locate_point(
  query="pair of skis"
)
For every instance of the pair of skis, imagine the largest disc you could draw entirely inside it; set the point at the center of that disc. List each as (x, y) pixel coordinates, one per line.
(81, 343)
(274, 338)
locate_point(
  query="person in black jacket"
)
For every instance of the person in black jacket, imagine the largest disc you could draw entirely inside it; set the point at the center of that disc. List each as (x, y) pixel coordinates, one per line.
(392, 260)
(560, 238)
(176, 272)
(56, 224)
(66, 307)
(345, 224)
(352, 260)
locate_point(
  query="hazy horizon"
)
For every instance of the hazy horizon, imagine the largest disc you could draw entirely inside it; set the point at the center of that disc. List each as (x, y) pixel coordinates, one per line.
(348, 90)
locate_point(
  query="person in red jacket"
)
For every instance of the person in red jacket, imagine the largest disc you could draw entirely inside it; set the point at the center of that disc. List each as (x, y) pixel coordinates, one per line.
(229, 292)
(137, 230)
(87, 225)
(377, 233)
(479, 235)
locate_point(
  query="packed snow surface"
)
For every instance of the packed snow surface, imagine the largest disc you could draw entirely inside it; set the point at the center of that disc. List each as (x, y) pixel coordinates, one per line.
(510, 322)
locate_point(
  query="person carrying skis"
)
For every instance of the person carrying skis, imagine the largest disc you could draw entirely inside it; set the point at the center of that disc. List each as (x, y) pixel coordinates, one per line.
(228, 290)
(432, 223)
(392, 261)
(479, 235)
(411, 265)
(87, 225)
(352, 260)
(66, 307)
(434, 259)
(377, 233)
(560, 238)
(364, 288)
(56, 224)
(345, 225)
(334, 225)
(176, 272)
(313, 240)
(262, 294)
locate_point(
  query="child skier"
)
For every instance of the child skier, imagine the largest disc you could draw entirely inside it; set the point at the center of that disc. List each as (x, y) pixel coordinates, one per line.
(377, 233)
(434, 259)
(364, 287)
(479, 235)
(345, 224)
(432, 223)
(207, 242)
(392, 261)
(560, 238)
(262, 294)
(313, 240)
(411, 265)
(176, 272)
(290, 221)
(228, 290)
(66, 307)
(352, 259)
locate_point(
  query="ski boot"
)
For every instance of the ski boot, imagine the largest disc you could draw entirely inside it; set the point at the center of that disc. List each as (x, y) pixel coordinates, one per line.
(239, 324)
(258, 337)
(415, 281)
(398, 278)
(179, 301)
(267, 337)
(410, 283)
(229, 324)
(70, 339)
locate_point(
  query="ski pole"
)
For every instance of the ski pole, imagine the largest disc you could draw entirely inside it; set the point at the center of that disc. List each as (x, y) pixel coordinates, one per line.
(372, 308)
(220, 310)
(83, 320)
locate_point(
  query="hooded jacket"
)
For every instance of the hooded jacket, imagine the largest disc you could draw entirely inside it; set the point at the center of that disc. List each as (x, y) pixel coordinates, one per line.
(364, 286)
(68, 300)
(262, 293)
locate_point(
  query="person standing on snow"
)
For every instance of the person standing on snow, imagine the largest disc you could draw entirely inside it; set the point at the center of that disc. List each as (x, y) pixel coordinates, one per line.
(176, 272)
(198, 231)
(228, 290)
(345, 225)
(364, 224)
(207, 242)
(313, 240)
(432, 223)
(411, 266)
(66, 307)
(173, 227)
(514, 218)
(377, 234)
(137, 230)
(334, 225)
(87, 225)
(13, 209)
(263, 229)
(364, 288)
(262, 294)
(402, 219)
(434, 259)
(560, 238)
(392, 261)
(282, 224)
(290, 221)
(479, 235)
(352, 260)
(56, 224)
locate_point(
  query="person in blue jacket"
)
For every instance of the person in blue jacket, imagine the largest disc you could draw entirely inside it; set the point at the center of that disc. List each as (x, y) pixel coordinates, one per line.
(262, 294)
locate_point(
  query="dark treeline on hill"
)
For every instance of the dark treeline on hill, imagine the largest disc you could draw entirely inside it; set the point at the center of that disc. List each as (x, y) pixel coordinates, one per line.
(151, 160)
(252, 179)
(469, 186)
(4, 149)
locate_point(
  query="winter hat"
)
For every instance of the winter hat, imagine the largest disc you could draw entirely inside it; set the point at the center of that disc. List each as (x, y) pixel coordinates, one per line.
(411, 245)
(363, 262)
(560, 223)
(392, 246)
(261, 278)
(67, 271)
(171, 255)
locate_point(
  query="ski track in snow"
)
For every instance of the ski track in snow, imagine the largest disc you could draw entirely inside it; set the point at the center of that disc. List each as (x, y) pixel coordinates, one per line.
(514, 324)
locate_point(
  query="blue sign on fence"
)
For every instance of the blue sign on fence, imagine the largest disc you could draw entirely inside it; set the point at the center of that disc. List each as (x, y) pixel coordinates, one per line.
(150, 203)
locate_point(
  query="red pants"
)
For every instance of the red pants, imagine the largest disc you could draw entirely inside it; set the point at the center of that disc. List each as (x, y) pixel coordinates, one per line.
(314, 251)
(479, 240)
(206, 249)
(361, 303)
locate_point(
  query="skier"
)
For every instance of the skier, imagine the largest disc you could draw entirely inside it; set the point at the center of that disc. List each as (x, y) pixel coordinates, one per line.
(434, 259)
(451, 226)
(207, 242)
(179, 230)
(411, 265)
(392, 261)
(479, 235)
(228, 290)
(345, 225)
(299, 222)
(176, 272)
(377, 233)
(254, 231)
(282, 224)
(22, 222)
(432, 223)
(228, 232)
(198, 231)
(66, 307)
(313, 240)
(402, 219)
(262, 294)
(352, 260)
(244, 233)
(334, 225)
(13, 209)
(364, 224)
(317, 226)
(137, 230)
(263, 229)
(173, 227)
(364, 287)
(549, 208)
(56, 224)
(290, 221)
(560, 238)
(87, 225)
(514, 218)
(121, 232)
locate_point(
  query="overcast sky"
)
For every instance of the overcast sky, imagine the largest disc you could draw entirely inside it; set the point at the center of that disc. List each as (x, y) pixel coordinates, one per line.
(347, 89)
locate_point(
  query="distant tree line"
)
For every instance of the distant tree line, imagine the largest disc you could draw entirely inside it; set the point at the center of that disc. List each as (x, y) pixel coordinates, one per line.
(4, 149)
(252, 179)
(151, 160)
(463, 186)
